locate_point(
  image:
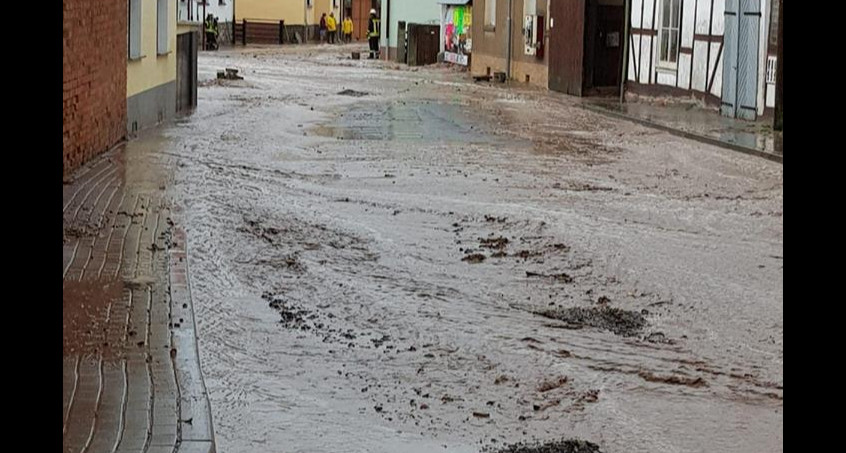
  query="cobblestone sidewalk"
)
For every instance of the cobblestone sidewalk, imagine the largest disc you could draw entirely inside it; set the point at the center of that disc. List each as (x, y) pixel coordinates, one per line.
(131, 372)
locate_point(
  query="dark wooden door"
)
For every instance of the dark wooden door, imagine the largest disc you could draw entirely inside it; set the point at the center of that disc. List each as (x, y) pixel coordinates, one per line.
(608, 46)
(428, 44)
(567, 43)
(424, 44)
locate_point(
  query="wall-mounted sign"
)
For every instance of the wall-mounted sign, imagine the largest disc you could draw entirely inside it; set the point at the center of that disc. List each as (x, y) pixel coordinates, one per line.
(455, 58)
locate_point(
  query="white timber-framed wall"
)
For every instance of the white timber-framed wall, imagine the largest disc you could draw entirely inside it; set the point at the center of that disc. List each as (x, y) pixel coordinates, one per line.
(698, 69)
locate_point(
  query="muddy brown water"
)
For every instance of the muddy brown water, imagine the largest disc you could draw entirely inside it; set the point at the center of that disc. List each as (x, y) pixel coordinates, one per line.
(336, 311)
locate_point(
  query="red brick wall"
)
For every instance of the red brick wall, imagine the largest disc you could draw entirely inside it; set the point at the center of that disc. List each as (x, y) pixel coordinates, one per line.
(94, 55)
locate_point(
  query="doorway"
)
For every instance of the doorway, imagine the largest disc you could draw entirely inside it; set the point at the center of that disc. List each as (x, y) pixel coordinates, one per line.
(604, 46)
(359, 11)
(186, 71)
(586, 46)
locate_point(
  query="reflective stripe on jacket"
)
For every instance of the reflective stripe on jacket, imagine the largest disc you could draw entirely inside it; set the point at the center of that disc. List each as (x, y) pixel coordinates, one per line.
(373, 28)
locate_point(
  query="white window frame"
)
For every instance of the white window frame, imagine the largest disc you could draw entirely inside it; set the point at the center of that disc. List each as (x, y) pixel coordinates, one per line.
(490, 14)
(666, 31)
(134, 17)
(162, 27)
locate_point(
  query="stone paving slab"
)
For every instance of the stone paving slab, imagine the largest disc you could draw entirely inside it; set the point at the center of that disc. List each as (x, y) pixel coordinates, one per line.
(131, 375)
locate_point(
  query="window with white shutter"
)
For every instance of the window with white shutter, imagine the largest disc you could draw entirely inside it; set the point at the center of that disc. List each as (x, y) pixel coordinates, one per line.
(162, 26)
(134, 29)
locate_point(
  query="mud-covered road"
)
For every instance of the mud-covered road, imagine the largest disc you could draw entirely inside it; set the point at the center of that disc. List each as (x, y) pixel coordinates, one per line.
(424, 264)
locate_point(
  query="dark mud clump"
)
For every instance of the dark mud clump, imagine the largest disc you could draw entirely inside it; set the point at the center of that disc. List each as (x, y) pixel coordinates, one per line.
(526, 254)
(474, 258)
(353, 93)
(492, 219)
(81, 230)
(85, 315)
(291, 317)
(674, 379)
(553, 384)
(563, 277)
(494, 243)
(621, 322)
(561, 446)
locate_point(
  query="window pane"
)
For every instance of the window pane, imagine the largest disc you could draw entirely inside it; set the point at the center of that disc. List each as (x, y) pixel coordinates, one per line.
(665, 16)
(664, 43)
(674, 45)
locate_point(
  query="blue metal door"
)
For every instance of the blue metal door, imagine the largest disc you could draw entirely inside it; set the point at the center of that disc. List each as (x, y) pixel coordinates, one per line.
(740, 64)
(747, 56)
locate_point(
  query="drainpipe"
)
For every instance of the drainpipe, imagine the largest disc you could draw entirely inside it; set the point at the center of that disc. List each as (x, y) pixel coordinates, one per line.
(508, 50)
(779, 104)
(387, 34)
(204, 25)
(625, 69)
(305, 21)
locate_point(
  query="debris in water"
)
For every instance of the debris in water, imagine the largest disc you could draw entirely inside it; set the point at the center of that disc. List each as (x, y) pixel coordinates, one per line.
(474, 258)
(673, 379)
(547, 386)
(353, 93)
(498, 243)
(561, 446)
(566, 278)
(291, 317)
(501, 379)
(229, 74)
(489, 218)
(622, 322)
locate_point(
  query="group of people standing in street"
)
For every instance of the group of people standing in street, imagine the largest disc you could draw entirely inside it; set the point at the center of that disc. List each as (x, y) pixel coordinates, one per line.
(329, 31)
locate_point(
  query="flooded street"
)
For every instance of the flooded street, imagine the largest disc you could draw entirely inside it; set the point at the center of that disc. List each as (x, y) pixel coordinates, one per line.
(423, 264)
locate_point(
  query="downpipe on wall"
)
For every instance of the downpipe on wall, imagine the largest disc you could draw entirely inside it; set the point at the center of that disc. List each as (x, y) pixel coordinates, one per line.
(625, 66)
(510, 43)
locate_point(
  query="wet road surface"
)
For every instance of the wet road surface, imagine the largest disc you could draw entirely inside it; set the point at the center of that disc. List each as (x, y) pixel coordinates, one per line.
(433, 265)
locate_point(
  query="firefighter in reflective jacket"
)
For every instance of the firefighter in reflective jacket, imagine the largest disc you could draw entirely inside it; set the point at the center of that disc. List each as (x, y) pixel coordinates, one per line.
(373, 34)
(210, 26)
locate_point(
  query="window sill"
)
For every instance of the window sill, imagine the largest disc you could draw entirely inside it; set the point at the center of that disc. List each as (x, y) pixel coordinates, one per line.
(164, 54)
(667, 69)
(490, 28)
(138, 58)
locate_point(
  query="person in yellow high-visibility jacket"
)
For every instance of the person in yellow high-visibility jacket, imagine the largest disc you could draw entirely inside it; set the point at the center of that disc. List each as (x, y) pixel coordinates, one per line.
(348, 29)
(332, 27)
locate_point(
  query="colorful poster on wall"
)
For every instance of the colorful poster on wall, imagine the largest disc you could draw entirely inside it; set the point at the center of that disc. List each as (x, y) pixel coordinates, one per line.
(458, 23)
